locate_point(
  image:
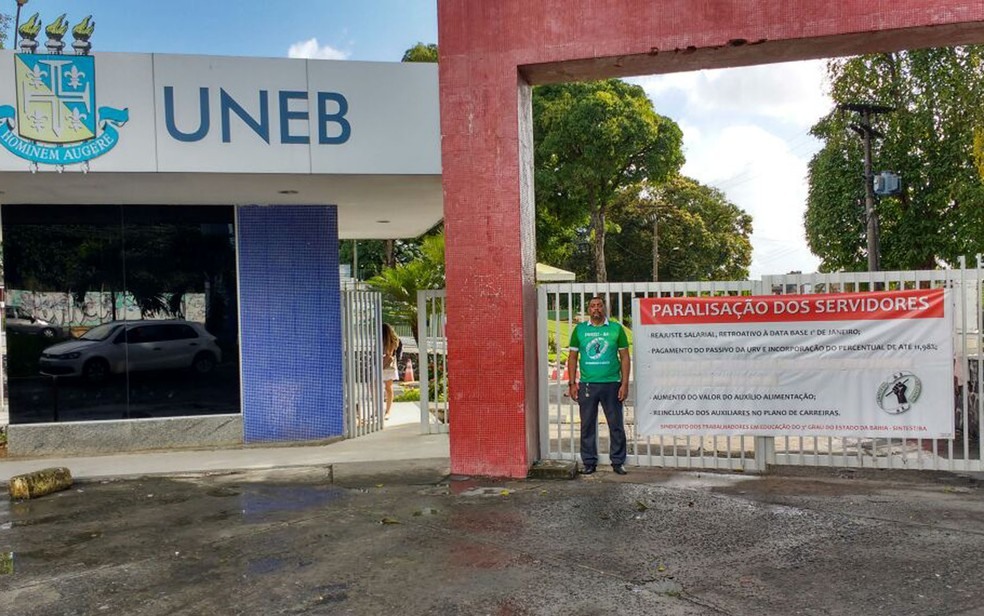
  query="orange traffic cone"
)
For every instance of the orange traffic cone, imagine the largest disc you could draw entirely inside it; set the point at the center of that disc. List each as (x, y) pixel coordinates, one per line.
(408, 371)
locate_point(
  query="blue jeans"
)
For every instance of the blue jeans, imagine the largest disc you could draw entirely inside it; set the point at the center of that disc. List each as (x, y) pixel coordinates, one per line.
(589, 395)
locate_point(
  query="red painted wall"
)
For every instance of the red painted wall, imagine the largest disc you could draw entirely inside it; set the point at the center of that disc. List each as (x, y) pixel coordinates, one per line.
(489, 50)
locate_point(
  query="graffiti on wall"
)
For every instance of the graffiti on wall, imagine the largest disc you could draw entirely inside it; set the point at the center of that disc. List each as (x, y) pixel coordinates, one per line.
(60, 308)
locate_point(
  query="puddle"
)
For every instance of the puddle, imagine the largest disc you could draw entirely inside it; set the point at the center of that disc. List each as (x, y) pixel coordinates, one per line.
(705, 480)
(223, 492)
(263, 566)
(487, 491)
(258, 502)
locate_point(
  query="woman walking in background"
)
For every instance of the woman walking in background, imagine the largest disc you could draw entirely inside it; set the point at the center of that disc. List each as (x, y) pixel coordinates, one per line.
(391, 357)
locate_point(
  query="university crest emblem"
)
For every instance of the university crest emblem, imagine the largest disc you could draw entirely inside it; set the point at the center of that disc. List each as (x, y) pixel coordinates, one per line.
(56, 120)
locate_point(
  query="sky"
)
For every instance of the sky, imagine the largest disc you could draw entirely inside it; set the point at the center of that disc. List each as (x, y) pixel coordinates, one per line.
(745, 131)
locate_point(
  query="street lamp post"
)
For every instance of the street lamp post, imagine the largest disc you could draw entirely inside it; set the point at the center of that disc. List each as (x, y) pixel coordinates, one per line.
(866, 132)
(20, 3)
(654, 218)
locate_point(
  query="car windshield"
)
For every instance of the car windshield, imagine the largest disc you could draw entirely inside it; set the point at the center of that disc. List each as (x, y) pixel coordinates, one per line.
(100, 332)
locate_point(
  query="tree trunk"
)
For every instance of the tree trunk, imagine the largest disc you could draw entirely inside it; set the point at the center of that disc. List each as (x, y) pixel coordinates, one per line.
(390, 258)
(655, 247)
(598, 227)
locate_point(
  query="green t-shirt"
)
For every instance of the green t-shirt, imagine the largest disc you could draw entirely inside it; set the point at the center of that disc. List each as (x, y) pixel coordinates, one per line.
(597, 349)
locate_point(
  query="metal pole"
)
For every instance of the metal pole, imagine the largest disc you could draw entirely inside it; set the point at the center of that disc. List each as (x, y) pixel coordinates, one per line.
(355, 259)
(869, 196)
(16, 24)
(866, 132)
(655, 247)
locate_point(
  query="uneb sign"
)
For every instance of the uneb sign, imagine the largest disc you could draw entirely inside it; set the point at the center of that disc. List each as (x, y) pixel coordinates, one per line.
(330, 111)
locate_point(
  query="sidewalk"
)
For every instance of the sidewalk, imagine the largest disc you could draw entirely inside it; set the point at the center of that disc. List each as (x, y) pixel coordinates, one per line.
(399, 440)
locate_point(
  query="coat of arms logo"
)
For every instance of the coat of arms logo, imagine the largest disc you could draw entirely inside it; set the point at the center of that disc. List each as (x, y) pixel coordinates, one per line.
(56, 121)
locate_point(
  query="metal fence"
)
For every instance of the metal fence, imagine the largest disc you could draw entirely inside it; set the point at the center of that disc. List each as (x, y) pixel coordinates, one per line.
(435, 412)
(563, 305)
(962, 453)
(362, 361)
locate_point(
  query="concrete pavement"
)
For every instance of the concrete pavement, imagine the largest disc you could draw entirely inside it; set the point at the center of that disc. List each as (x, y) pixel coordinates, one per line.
(399, 440)
(385, 531)
(404, 538)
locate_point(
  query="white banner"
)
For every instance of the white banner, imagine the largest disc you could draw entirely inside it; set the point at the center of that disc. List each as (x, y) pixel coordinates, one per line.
(853, 364)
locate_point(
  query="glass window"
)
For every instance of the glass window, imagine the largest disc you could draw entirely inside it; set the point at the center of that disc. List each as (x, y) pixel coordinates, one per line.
(83, 273)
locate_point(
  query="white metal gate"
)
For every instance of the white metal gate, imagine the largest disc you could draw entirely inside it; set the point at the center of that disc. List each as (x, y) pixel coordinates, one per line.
(562, 305)
(362, 361)
(435, 412)
(962, 453)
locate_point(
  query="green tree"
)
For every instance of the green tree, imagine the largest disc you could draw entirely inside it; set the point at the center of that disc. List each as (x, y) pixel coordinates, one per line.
(373, 254)
(591, 141)
(928, 141)
(701, 235)
(399, 285)
(421, 53)
(5, 25)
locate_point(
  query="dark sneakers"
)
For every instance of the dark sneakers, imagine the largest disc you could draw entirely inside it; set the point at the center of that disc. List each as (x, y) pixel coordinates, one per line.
(618, 468)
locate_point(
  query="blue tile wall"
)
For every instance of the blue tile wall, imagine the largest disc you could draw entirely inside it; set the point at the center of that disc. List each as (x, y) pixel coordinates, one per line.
(290, 319)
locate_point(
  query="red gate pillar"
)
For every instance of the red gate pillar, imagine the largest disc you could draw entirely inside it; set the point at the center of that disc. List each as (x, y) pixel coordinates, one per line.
(490, 256)
(485, 45)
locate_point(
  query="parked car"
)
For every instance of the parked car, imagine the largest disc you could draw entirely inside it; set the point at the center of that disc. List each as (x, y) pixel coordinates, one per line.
(118, 346)
(21, 321)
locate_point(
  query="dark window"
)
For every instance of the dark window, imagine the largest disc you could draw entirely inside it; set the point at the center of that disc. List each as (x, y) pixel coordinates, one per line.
(87, 266)
(180, 331)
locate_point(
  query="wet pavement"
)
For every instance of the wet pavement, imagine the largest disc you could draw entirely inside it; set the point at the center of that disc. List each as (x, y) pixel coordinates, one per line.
(403, 538)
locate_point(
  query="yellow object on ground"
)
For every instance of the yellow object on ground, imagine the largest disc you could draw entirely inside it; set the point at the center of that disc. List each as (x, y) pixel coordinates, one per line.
(39, 483)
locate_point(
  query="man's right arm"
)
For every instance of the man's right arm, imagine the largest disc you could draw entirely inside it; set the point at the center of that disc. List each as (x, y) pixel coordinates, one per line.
(572, 373)
(572, 364)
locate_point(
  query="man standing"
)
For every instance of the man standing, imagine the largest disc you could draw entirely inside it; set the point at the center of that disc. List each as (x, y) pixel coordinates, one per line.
(603, 349)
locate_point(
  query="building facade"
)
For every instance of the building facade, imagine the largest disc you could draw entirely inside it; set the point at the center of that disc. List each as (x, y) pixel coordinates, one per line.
(170, 239)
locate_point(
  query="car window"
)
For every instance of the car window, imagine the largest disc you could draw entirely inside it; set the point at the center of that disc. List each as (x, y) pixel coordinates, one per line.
(147, 333)
(100, 332)
(179, 331)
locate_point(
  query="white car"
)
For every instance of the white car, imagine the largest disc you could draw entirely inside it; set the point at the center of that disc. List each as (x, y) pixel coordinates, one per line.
(118, 346)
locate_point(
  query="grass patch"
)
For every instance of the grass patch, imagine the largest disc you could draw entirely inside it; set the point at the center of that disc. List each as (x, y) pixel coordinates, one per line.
(410, 394)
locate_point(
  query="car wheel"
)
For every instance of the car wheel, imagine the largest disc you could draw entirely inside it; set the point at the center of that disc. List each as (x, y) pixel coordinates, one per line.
(95, 370)
(204, 363)
(48, 332)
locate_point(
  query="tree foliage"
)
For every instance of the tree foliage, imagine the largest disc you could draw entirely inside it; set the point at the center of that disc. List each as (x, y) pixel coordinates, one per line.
(928, 140)
(701, 235)
(591, 141)
(421, 53)
(372, 254)
(602, 154)
(5, 26)
(399, 285)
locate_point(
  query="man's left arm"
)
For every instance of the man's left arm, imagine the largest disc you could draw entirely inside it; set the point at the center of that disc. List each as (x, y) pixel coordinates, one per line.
(625, 362)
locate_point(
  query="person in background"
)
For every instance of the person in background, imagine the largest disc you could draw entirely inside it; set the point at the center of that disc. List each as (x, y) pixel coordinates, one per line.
(603, 349)
(391, 357)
